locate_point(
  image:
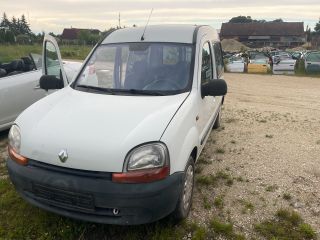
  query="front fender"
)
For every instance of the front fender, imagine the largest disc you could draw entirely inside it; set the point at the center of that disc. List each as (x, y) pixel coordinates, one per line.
(182, 135)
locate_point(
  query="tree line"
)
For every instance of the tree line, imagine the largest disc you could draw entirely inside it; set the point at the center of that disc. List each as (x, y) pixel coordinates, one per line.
(15, 30)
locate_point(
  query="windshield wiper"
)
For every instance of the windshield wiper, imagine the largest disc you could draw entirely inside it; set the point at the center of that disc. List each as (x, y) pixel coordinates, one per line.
(130, 91)
(145, 92)
(97, 89)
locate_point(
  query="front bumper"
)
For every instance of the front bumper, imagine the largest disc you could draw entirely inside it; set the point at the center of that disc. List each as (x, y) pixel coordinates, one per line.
(92, 196)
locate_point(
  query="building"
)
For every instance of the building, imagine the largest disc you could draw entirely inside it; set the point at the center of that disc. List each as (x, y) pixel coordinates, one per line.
(315, 41)
(71, 34)
(274, 34)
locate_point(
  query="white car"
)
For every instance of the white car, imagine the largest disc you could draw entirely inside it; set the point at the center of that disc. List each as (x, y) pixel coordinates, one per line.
(120, 143)
(236, 65)
(283, 64)
(19, 86)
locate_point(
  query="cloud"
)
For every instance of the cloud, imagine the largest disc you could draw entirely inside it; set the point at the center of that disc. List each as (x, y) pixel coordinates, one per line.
(102, 14)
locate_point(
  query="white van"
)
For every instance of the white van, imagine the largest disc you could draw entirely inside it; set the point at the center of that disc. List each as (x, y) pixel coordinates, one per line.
(120, 143)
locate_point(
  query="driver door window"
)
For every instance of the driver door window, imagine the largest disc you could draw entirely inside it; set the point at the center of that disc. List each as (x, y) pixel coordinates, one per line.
(206, 64)
(52, 61)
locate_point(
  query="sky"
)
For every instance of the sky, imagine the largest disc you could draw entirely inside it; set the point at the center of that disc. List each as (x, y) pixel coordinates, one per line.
(55, 15)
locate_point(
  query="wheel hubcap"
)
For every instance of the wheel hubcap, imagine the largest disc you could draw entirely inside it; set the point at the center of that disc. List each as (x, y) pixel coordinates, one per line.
(188, 186)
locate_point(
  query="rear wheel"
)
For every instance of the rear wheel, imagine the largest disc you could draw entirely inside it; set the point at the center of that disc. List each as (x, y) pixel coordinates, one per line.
(185, 199)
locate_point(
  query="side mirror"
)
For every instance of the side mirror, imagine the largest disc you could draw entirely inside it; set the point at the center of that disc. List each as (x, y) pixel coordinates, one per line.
(215, 87)
(48, 82)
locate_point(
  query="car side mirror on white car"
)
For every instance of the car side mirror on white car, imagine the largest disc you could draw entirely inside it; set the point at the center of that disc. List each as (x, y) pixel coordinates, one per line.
(215, 87)
(48, 82)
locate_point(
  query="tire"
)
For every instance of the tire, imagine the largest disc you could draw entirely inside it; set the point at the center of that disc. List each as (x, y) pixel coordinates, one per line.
(217, 123)
(185, 200)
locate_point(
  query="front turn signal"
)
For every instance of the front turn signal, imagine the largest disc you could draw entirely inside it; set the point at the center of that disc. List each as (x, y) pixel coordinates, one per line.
(141, 176)
(17, 157)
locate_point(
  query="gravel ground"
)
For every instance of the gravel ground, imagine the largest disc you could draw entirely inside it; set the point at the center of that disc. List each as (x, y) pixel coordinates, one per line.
(269, 144)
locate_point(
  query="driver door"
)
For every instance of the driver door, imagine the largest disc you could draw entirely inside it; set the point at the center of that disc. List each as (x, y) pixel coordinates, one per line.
(51, 60)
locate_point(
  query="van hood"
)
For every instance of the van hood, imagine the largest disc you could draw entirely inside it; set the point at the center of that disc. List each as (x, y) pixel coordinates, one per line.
(96, 130)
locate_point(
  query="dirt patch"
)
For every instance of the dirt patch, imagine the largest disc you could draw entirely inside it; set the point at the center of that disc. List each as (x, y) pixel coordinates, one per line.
(271, 147)
(232, 45)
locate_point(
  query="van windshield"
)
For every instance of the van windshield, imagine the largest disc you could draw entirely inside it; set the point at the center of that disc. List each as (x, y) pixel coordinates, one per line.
(138, 69)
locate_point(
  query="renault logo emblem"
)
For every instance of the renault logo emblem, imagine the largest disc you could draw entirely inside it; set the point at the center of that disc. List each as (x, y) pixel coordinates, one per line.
(63, 155)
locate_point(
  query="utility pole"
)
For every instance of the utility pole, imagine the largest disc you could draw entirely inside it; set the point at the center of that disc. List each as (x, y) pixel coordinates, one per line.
(119, 21)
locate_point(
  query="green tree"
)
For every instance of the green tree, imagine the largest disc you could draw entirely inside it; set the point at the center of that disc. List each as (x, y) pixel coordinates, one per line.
(84, 36)
(5, 23)
(278, 20)
(23, 39)
(317, 27)
(14, 26)
(24, 26)
(241, 19)
(9, 37)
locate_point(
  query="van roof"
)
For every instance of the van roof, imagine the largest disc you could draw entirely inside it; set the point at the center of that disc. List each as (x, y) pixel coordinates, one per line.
(179, 33)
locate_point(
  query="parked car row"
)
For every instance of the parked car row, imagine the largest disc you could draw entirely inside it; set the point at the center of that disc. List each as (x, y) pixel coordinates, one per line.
(276, 62)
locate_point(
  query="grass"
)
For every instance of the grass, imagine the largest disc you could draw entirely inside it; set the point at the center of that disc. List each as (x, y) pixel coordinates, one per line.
(240, 179)
(286, 224)
(318, 142)
(247, 206)
(287, 196)
(20, 220)
(12, 52)
(218, 202)
(225, 230)
(220, 151)
(272, 188)
(212, 180)
(206, 203)
(263, 121)
(203, 161)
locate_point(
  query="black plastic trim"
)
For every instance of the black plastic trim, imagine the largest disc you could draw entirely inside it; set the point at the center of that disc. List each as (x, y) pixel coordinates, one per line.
(69, 171)
(95, 200)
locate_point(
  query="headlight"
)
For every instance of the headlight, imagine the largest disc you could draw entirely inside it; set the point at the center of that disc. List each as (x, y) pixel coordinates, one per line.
(151, 155)
(15, 138)
(145, 164)
(14, 146)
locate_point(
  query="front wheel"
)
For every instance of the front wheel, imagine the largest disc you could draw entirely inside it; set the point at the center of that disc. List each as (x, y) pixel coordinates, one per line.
(185, 199)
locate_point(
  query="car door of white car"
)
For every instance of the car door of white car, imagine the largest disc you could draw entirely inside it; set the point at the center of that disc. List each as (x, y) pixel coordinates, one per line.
(17, 92)
(207, 104)
(51, 60)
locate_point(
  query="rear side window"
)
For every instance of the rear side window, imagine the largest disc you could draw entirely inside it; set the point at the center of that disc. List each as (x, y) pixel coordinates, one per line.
(206, 64)
(218, 58)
